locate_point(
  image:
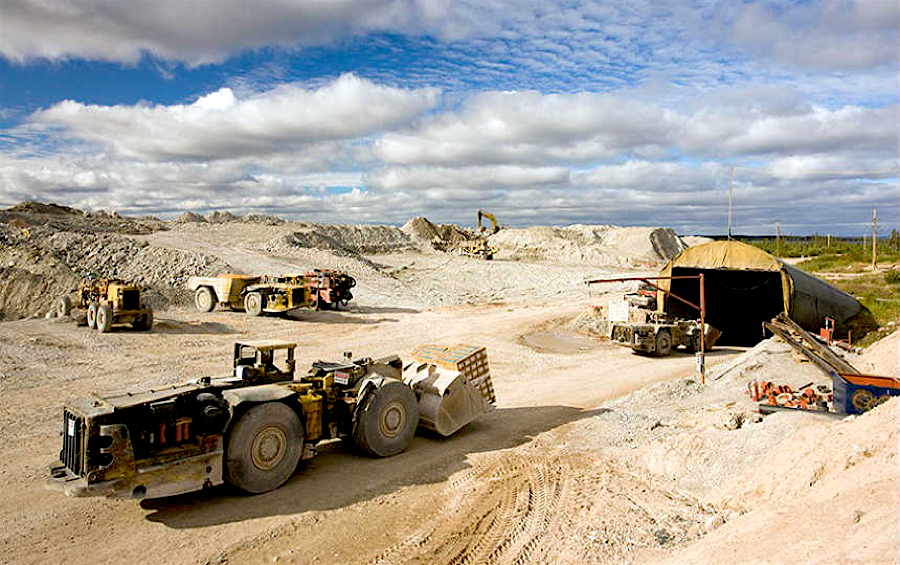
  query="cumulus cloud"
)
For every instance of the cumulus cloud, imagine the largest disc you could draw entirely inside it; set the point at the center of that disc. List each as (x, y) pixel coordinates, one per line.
(834, 34)
(197, 32)
(533, 128)
(354, 151)
(220, 125)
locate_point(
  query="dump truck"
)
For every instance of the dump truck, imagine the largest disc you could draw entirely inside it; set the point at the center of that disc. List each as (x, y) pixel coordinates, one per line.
(107, 302)
(659, 335)
(318, 289)
(252, 427)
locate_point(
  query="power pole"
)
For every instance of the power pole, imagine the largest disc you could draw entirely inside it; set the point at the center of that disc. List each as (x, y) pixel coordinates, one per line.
(730, 198)
(874, 240)
(777, 239)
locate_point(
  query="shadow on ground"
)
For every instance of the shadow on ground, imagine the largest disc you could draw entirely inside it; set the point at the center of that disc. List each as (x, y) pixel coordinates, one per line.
(332, 479)
(167, 326)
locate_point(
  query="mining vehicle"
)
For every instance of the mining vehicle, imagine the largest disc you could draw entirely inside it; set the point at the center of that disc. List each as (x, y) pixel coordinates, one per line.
(279, 293)
(327, 288)
(108, 302)
(659, 335)
(479, 247)
(252, 427)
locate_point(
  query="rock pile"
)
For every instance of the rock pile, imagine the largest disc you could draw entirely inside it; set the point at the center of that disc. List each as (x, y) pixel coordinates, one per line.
(351, 239)
(591, 245)
(46, 249)
(439, 236)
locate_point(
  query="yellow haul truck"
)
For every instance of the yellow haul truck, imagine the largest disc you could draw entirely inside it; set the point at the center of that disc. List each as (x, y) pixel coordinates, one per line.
(108, 302)
(252, 427)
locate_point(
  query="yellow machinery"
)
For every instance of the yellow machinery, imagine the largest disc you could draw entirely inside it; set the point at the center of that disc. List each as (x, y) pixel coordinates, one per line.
(492, 218)
(108, 302)
(252, 427)
(479, 247)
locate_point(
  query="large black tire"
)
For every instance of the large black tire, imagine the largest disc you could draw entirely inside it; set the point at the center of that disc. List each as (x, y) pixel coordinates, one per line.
(104, 317)
(254, 302)
(144, 322)
(663, 342)
(92, 315)
(204, 299)
(62, 306)
(387, 419)
(263, 448)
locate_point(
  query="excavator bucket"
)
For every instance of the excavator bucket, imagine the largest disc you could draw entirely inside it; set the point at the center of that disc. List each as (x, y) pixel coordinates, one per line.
(453, 385)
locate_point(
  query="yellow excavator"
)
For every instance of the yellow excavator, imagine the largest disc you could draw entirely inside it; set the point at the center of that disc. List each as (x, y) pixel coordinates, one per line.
(479, 246)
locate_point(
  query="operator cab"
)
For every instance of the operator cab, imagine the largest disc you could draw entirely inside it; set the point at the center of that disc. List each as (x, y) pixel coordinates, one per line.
(264, 361)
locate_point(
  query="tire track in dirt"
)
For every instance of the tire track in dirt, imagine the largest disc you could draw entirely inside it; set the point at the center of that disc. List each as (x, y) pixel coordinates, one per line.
(497, 512)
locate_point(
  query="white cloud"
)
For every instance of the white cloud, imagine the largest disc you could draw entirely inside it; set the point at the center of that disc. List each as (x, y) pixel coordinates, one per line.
(833, 34)
(220, 125)
(353, 150)
(199, 31)
(536, 129)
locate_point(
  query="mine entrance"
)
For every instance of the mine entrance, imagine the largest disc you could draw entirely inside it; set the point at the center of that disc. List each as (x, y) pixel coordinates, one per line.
(737, 302)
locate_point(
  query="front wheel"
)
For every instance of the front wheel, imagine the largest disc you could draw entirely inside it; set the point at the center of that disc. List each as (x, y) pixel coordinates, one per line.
(92, 315)
(264, 448)
(253, 303)
(104, 317)
(663, 343)
(387, 419)
(204, 299)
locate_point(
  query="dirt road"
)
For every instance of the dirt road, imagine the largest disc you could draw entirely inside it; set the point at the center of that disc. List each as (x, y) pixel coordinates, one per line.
(340, 506)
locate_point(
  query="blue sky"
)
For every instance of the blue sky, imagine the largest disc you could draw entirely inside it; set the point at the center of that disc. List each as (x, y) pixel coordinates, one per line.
(629, 113)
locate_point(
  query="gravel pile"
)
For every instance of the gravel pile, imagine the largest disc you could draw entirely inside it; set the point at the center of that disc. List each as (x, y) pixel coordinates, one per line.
(439, 236)
(352, 239)
(636, 247)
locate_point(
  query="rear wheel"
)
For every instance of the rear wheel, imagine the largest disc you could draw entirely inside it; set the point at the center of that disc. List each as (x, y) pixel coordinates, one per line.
(62, 306)
(387, 419)
(253, 303)
(663, 342)
(104, 317)
(204, 299)
(264, 448)
(92, 315)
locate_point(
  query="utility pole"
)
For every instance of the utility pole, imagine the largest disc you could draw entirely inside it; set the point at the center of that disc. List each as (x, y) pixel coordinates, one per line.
(874, 240)
(829, 241)
(777, 239)
(730, 198)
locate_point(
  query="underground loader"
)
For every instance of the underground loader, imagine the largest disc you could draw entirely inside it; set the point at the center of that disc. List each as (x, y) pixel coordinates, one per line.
(252, 428)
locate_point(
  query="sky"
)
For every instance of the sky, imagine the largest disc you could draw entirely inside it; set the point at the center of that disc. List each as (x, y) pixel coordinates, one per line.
(541, 112)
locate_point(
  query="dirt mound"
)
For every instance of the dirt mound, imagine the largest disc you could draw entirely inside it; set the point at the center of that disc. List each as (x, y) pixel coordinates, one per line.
(42, 264)
(42, 208)
(881, 358)
(594, 245)
(351, 239)
(24, 293)
(440, 236)
(32, 216)
(188, 217)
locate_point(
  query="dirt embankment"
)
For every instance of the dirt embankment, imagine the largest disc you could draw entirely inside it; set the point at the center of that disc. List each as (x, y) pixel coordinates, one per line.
(635, 247)
(46, 249)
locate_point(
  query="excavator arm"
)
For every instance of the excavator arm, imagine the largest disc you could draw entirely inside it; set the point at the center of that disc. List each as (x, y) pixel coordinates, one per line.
(489, 216)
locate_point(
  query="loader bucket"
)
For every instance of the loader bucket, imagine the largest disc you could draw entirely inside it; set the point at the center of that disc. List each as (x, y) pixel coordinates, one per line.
(453, 386)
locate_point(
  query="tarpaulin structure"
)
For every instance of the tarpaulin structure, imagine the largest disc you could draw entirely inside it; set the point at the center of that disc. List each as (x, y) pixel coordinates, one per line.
(746, 286)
